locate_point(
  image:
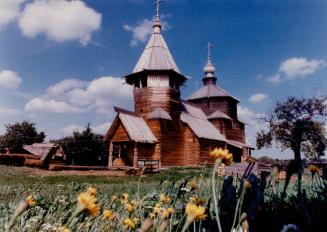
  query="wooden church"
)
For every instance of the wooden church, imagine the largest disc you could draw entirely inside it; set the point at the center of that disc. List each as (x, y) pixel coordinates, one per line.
(163, 127)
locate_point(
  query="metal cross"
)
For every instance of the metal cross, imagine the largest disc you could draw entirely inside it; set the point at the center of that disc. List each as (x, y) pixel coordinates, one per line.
(209, 50)
(157, 3)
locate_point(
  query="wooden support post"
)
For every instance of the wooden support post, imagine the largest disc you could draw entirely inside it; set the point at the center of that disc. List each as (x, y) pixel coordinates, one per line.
(136, 156)
(110, 154)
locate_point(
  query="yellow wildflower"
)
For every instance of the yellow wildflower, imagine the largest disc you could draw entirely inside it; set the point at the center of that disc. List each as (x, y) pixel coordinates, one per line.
(125, 197)
(129, 207)
(194, 185)
(164, 199)
(30, 201)
(313, 168)
(157, 208)
(167, 213)
(222, 154)
(152, 215)
(194, 212)
(87, 202)
(197, 200)
(108, 214)
(92, 191)
(63, 229)
(129, 223)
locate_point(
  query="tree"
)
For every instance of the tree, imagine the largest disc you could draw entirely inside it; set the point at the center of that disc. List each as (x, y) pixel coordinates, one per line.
(297, 124)
(85, 148)
(19, 134)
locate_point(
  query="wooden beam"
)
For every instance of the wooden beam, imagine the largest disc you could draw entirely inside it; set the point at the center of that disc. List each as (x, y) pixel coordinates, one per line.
(136, 156)
(110, 154)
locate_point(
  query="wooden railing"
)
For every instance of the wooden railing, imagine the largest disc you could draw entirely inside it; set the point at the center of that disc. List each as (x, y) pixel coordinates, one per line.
(149, 164)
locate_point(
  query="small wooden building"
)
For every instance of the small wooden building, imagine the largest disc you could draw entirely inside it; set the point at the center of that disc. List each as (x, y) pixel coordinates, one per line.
(167, 129)
(44, 154)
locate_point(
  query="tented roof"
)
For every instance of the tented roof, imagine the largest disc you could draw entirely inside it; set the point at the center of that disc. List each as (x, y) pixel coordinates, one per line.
(156, 56)
(208, 91)
(218, 114)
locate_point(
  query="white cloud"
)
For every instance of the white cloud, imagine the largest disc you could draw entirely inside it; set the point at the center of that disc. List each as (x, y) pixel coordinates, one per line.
(300, 67)
(60, 20)
(143, 30)
(64, 86)
(9, 79)
(76, 96)
(9, 111)
(259, 97)
(9, 10)
(275, 79)
(295, 68)
(103, 93)
(248, 116)
(39, 105)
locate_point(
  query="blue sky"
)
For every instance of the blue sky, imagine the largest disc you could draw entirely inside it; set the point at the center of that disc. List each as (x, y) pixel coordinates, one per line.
(61, 61)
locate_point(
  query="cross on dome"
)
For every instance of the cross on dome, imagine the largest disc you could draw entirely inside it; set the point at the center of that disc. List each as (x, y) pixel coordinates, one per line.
(209, 69)
(157, 4)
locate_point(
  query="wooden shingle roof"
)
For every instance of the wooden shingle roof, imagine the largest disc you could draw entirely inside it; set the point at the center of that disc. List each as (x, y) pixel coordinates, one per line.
(239, 144)
(135, 126)
(41, 150)
(202, 128)
(208, 91)
(159, 113)
(193, 110)
(156, 56)
(218, 114)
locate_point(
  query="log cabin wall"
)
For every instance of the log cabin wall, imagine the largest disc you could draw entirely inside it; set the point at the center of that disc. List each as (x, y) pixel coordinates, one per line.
(211, 105)
(220, 123)
(206, 146)
(156, 93)
(146, 150)
(234, 130)
(172, 143)
(155, 126)
(192, 147)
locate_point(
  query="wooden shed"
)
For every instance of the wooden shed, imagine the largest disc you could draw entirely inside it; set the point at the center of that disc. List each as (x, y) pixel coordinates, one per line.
(44, 154)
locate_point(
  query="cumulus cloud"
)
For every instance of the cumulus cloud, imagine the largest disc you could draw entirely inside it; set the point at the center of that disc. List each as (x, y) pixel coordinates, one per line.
(142, 30)
(248, 116)
(76, 96)
(258, 97)
(295, 68)
(39, 105)
(64, 86)
(103, 93)
(59, 20)
(9, 79)
(9, 10)
(300, 67)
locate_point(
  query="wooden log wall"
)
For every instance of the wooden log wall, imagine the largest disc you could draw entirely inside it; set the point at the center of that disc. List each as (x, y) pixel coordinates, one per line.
(192, 147)
(224, 104)
(206, 146)
(148, 98)
(172, 143)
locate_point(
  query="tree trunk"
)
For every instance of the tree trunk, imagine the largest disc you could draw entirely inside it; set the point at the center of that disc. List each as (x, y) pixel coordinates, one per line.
(297, 157)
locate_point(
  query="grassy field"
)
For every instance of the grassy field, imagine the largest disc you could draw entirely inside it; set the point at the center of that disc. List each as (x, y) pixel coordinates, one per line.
(152, 198)
(16, 182)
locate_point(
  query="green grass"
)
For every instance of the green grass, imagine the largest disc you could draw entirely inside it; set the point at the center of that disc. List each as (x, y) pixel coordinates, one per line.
(15, 182)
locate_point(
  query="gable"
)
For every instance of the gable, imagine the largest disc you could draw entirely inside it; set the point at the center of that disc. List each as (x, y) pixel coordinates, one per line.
(120, 134)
